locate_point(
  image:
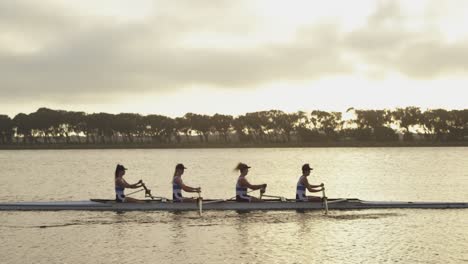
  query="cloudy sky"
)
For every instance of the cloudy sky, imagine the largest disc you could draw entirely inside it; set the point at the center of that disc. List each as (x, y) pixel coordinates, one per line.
(222, 56)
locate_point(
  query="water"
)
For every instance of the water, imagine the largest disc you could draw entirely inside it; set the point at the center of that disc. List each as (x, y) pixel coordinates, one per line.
(367, 236)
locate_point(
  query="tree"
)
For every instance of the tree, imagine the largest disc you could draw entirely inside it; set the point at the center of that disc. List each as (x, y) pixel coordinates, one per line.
(262, 126)
(47, 123)
(183, 125)
(283, 124)
(374, 124)
(99, 126)
(239, 125)
(328, 123)
(307, 130)
(436, 122)
(407, 118)
(160, 127)
(458, 124)
(75, 123)
(126, 124)
(6, 129)
(23, 126)
(222, 124)
(170, 128)
(199, 123)
(372, 118)
(257, 124)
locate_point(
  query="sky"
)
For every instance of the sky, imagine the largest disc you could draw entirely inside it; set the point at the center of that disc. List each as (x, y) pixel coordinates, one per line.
(232, 57)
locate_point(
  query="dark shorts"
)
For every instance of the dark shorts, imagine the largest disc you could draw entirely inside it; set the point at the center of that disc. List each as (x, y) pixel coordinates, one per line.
(177, 199)
(301, 199)
(242, 200)
(120, 199)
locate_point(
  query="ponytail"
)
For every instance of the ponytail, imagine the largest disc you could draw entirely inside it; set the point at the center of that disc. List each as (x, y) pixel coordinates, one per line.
(241, 167)
(238, 167)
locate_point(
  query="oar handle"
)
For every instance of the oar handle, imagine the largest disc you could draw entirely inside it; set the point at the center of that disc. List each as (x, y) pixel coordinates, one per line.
(147, 191)
(262, 190)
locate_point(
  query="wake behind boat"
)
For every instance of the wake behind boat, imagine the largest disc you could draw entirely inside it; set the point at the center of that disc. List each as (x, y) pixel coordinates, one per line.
(222, 205)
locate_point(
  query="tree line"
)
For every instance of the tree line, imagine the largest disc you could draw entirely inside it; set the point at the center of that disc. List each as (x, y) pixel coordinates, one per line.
(48, 126)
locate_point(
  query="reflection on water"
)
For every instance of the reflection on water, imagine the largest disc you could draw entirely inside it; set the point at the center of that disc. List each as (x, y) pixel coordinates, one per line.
(254, 237)
(355, 236)
(362, 216)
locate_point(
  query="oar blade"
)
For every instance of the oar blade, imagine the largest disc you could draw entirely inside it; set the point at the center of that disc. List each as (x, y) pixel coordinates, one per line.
(200, 204)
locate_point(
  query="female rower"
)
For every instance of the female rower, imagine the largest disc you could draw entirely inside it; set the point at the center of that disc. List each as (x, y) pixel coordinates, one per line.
(178, 185)
(303, 184)
(242, 185)
(121, 184)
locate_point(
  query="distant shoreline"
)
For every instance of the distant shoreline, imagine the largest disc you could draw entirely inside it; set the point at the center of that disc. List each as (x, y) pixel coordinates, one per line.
(232, 145)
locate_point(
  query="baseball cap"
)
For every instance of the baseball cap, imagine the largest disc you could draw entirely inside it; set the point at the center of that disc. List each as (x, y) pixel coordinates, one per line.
(120, 167)
(306, 167)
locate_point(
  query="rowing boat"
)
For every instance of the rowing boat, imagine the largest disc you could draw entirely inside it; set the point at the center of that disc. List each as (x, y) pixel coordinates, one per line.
(272, 204)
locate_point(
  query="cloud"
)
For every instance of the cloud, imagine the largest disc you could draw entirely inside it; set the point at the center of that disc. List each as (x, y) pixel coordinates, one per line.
(54, 51)
(109, 57)
(387, 42)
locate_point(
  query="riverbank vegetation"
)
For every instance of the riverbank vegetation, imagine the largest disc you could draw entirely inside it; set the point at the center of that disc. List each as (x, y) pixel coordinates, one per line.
(410, 126)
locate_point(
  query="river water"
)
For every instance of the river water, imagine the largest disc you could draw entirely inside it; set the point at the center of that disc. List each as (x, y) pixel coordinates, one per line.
(359, 236)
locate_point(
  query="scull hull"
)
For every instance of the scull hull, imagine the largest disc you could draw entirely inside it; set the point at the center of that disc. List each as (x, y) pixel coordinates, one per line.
(153, 205)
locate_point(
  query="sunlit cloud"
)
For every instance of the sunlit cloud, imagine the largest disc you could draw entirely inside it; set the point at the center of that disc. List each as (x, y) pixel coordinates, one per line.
(105, 55)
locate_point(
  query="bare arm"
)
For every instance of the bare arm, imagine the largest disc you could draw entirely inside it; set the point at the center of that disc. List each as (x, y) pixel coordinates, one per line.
(245, 183)
(123, 183)
(185, 187)
(311, 188)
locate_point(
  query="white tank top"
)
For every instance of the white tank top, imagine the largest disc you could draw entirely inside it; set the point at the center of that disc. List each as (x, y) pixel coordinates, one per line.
(119, 190)
(300, 189)
(240, 190)
(176, 189)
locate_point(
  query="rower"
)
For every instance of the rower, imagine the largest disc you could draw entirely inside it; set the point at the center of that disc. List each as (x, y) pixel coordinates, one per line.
(303, 184)
(242, 185)
(121, 184)
(178, 185)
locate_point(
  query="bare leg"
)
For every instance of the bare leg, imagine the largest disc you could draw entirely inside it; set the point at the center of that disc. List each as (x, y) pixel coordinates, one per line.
(189, 200)
(255, 199)
(132, 200)
(314, 198)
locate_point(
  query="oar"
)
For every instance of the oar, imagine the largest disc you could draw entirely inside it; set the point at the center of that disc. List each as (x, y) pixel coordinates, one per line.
(262, 191)
(337, 201)
(148, 194)
(325, 202)
(283, 199)
(140, 190)
(135, 192)
(147, 191)
(225, 200)
(200, 204)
